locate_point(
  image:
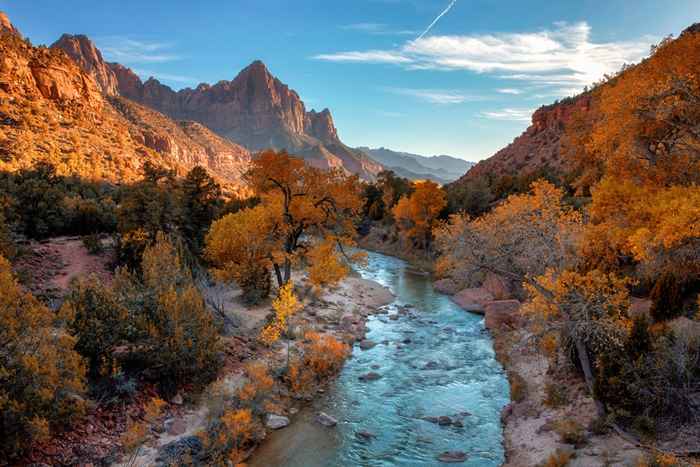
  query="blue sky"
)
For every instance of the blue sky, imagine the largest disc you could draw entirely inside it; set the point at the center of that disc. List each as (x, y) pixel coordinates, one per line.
(466, 87)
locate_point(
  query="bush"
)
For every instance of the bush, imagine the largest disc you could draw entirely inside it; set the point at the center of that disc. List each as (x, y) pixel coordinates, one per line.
(41, 376)
(667, 298)
(571, 432)
(92, 243)
(176, 332)
(558, 458)
(322, 356)
(518, 387)
(555, 395)
(98, 321)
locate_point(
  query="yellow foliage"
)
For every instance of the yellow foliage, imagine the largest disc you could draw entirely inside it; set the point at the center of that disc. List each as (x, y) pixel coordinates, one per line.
(416, 214)
(285, 305)
(260, 383)
(41, 376)
(326, 267)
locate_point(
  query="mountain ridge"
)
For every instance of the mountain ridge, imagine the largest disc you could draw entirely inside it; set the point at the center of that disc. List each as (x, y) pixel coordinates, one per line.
(442, 168)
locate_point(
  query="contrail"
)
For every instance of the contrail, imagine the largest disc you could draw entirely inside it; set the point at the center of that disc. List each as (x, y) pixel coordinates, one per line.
(445, 11)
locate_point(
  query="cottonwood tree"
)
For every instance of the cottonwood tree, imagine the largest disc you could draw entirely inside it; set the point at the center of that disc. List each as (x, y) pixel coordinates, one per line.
(299, 205)
(518, 239)
(417, 214)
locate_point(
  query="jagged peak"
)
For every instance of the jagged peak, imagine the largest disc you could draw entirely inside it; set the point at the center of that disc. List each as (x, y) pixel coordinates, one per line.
(6, 24)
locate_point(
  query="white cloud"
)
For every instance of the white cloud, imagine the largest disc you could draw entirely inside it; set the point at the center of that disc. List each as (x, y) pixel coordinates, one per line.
(507, 114)
(126, 50)
(437, 96)
(564, 57)
(370, 56)
(511, 91)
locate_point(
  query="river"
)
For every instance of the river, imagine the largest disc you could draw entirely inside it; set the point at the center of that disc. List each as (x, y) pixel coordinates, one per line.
(434, 360)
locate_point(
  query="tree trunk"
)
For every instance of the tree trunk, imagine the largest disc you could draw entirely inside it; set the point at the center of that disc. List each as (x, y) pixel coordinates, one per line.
(278, 275)
(585, 362)
(287, 270)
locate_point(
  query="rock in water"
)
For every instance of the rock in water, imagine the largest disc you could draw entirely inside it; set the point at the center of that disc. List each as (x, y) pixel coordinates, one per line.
(275, 422)
(365, 435)
(367, 344)
(371, 376)
(326, 420)
(453, 457)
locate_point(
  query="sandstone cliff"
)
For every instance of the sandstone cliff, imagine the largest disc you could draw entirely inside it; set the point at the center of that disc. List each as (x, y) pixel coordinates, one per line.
(89, 58)
(53, 110)
(538, 147)
(256, 110)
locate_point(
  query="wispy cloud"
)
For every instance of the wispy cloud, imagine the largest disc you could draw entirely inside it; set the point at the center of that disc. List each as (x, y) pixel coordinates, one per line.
(379, 29)
(369, 56)
(181, 79)
(507, 114)
(127, 50)
(437, 18)
(437, 96)
(564, 58)
(511, 91)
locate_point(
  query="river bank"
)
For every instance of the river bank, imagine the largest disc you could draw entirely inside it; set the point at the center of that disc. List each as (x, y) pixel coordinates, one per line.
(551, 416)
(340, 312)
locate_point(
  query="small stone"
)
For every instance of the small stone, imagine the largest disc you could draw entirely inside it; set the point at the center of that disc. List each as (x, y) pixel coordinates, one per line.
(177, 400)
(326, 420)
(293, 411)
(365, 435)
(367, 344)
(371, 376)
(458, 424)
(444, 420)
(452, 457)
(175, 426)
(275, 422)
(394, 317)
(431, 419)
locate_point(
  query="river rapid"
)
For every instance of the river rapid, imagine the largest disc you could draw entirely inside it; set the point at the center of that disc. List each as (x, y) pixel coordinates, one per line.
(434, 360)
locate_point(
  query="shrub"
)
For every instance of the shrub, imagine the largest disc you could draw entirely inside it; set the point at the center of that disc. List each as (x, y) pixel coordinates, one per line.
(570, 432)
(98, 322)
(229, 436)
(666, 297)
(92, 243)
(518, 387)
(41, 376)
(322, 356)
(180, 334)
(558, 458)
(555, 395)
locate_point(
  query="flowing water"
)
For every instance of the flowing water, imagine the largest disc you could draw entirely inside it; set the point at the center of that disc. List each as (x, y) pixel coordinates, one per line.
(435, 360)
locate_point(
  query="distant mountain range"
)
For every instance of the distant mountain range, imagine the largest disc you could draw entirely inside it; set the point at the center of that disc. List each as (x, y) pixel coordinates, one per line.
(441, 169)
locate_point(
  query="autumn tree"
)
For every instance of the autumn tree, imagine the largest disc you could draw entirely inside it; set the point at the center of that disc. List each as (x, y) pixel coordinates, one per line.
(299, 205)
(416, 214)
(519, 239)
(41, 376)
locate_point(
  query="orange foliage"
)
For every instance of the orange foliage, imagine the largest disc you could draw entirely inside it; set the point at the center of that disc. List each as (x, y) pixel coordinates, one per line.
(416, 214)
(323, 356)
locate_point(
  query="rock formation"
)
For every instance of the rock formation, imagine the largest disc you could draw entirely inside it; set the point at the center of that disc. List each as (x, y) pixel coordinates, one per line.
(88, 57)
(538, 146)
(53, 109)
(255, 110)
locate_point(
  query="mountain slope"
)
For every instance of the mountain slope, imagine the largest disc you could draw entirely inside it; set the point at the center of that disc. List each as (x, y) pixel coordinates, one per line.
(256, 110)
(442, 169)
(53, 111)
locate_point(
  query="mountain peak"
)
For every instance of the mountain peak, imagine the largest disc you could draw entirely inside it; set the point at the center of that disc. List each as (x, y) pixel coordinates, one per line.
(6, 25)
(83, 51)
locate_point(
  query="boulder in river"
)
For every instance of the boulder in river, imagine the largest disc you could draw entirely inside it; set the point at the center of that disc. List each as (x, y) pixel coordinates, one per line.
(453, 457)
(371, 376)
(444, 420)
(275, 422)
(367, 344)
(326, 420)
(473, 299)
(365, 435)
